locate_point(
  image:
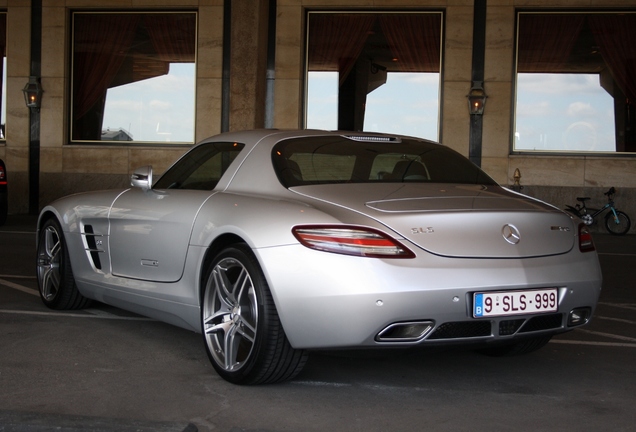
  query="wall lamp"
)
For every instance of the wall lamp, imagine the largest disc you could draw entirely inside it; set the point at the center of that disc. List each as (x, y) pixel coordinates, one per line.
(33, 93)
(477, 98)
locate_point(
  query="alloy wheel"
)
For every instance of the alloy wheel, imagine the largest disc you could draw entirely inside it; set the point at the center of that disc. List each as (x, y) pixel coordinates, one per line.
(230, 314)
(49, 263)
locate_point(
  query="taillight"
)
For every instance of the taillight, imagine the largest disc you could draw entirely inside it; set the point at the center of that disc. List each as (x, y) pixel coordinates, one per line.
(347, 240)
(586, 243)
(3, 175)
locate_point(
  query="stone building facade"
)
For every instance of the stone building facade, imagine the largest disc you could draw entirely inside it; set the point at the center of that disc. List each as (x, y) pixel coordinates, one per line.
(251, 72)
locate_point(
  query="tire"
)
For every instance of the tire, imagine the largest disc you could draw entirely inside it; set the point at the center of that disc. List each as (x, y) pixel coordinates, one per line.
(242, 332)
(55, 276)
(620, 228)
(521, 347)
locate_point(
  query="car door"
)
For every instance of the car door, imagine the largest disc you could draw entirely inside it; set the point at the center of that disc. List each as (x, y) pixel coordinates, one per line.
(150, 228)
(150, 232)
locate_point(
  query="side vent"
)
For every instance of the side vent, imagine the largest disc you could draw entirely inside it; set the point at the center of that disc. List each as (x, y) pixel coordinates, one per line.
(92, 241)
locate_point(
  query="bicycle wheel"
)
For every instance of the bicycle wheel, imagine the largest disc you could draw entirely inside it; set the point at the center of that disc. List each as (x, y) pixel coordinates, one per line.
(618, 225)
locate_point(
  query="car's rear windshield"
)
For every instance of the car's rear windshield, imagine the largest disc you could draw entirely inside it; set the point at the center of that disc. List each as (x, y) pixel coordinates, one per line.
(340, 159)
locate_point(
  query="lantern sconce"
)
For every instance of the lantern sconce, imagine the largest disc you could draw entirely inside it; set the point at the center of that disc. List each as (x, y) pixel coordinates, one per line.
(477, 98)
(517, 178)
(33, 93)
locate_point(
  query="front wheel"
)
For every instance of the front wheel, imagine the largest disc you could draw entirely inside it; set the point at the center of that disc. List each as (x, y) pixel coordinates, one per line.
(619, 224)
(243, 336)
(55, 275)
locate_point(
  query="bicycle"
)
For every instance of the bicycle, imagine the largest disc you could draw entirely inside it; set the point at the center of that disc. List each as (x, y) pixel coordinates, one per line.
(616, 221)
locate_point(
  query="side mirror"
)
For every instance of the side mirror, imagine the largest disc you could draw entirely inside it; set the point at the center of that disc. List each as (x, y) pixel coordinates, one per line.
(142, 178)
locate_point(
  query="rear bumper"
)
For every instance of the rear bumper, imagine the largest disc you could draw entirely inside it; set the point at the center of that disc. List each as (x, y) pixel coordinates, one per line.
(332, 301)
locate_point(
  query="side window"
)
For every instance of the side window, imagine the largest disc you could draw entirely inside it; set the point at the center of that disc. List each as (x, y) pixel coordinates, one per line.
(208, 174)
(575, 83)
(133, 77)
(374, 71)
(201, 168)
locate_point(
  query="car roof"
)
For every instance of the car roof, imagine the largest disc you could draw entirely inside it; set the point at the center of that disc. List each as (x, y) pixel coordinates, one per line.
(251, 137)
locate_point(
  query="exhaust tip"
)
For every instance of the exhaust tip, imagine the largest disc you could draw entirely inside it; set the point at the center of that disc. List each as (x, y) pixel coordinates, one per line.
(405, 331)
(579, 316)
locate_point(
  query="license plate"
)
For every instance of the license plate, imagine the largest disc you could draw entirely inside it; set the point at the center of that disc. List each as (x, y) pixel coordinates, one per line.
(501, 303)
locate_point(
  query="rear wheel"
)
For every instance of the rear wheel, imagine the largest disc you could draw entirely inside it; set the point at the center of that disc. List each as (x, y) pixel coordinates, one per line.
(55, 276)
(618, 225)
(525, 346)
(243, 336)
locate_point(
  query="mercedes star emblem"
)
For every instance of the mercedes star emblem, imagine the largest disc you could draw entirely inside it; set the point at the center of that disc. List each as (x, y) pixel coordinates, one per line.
(511, 234)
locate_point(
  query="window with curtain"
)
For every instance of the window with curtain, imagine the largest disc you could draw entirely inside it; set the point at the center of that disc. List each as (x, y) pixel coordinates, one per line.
(374, 71)
(133, 77)
(3, 75)
(576, 83)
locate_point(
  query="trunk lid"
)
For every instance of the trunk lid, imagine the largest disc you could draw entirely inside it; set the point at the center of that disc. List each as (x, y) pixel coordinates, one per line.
(463, 221)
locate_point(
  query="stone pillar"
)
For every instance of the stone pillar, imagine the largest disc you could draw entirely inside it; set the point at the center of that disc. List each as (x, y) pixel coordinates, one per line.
(248, 64)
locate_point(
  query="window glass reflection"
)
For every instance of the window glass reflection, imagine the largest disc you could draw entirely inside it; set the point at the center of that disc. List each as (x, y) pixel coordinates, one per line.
(375, 72)
(576, 83)
(133, 77)
(3, 75)
(563, 112)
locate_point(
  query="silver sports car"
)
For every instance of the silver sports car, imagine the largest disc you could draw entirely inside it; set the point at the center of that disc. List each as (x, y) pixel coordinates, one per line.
(274, 243)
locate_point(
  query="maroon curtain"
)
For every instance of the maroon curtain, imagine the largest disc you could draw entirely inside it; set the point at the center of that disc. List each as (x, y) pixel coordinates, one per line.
(101, 44)
(546, 40)
(3, 53)
(3, 35)
(414, 40)
(615, 34)
(173, 36)
(336, 41)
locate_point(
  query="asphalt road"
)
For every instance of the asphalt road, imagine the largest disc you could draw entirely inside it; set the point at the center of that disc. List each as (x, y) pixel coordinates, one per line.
(104, 369)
